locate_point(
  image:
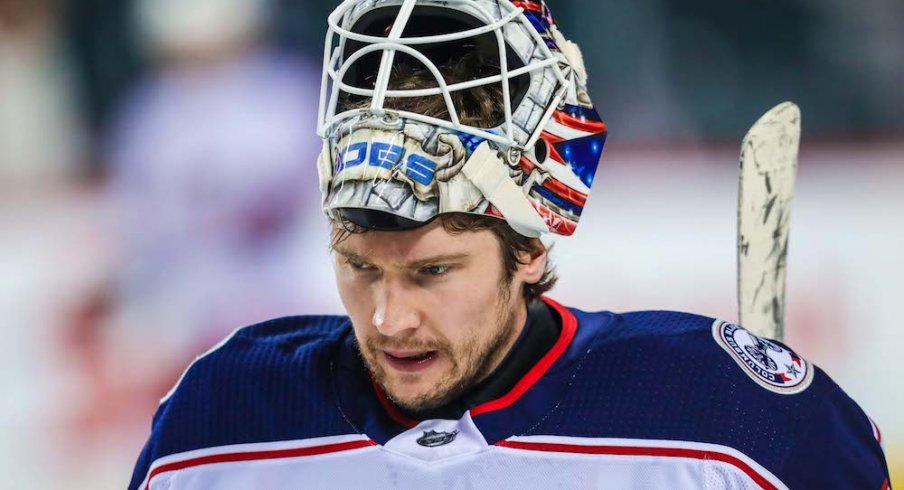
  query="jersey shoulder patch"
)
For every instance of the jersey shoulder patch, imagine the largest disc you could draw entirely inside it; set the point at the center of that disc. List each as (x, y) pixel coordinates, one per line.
(772, 365)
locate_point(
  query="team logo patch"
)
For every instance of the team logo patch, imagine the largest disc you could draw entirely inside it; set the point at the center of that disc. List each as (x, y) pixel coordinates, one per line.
(773, 366)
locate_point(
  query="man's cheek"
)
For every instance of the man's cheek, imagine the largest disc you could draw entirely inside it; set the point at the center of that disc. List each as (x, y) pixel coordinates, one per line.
(358, 304)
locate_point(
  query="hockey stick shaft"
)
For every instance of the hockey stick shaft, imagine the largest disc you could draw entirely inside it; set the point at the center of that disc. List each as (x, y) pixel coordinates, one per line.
(768, 166)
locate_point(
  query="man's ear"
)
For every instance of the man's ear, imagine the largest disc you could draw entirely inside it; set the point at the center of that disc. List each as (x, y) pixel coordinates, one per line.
(533, 263)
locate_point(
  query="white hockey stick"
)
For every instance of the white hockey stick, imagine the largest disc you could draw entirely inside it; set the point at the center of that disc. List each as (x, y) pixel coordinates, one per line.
(765, 191)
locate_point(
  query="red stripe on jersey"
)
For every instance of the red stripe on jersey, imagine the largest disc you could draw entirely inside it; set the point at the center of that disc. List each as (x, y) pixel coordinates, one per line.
(643, 451)
(878, 433)
(258, 455)
(579, 124)
(569, 327)
(390, 407)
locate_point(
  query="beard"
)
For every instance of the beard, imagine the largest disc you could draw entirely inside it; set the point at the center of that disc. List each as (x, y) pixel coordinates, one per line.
(471, 362)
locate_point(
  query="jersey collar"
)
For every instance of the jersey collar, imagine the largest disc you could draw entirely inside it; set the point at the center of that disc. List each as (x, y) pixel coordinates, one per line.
(366, 407)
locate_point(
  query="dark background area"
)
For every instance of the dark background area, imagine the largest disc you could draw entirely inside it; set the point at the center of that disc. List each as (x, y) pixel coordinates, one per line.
(663, 70)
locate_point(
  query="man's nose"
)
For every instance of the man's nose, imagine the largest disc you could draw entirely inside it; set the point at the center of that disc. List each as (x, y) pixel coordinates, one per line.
(396, 309)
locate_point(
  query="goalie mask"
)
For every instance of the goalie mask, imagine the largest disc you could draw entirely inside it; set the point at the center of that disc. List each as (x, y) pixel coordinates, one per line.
(402, 82)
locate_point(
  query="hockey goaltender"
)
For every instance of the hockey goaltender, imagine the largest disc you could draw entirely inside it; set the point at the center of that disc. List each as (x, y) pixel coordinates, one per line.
(455, 133)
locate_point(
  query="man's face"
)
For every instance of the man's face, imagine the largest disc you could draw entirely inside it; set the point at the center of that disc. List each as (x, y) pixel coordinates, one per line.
(431, 311)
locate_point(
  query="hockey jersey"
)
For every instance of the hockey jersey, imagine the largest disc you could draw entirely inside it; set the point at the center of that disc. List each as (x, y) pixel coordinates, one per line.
(635, 400)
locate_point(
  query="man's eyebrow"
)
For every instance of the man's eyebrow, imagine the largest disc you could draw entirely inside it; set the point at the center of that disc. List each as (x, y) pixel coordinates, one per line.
(348, 254)
(437, 259)
(414, 264)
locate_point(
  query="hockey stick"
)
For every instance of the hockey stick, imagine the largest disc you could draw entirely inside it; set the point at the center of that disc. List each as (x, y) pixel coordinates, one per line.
(765, 191)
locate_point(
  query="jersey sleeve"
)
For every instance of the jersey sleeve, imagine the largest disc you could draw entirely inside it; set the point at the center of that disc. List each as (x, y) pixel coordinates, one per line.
(841, 449)
(245, 389)
(148, 453)
(196, 382)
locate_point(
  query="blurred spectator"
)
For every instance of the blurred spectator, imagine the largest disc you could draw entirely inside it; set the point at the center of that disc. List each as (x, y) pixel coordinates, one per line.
(40, 139)
(211, 164)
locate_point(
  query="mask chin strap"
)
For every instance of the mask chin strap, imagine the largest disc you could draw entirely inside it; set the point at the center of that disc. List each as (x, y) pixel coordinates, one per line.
(488, 173)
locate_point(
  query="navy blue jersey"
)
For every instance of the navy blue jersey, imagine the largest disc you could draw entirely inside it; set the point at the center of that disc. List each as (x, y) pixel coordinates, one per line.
(636, 400)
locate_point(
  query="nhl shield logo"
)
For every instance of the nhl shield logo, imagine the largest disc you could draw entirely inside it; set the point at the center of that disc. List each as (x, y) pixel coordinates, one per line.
(432, 438)
(774, 366)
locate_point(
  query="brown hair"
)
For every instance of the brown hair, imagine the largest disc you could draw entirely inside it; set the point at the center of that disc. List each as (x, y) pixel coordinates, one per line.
(477, 106)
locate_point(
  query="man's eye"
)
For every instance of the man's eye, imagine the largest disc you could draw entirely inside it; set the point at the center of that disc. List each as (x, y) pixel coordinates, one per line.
(435, 270)
(359, 266)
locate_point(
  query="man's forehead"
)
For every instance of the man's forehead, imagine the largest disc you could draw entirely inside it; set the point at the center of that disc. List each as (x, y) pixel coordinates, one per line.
(413, 245)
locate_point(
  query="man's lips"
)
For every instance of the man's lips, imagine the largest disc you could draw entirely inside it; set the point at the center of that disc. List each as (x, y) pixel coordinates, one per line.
(410, 360)
(401, 354)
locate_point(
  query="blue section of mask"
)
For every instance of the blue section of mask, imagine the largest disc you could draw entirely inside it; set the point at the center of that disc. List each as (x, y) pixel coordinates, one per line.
(583, 155)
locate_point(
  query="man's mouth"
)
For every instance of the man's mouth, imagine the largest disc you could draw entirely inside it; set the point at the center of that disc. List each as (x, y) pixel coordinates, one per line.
(410, 361)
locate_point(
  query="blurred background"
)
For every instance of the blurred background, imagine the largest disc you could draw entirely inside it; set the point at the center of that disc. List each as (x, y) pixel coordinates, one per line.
(157, 190)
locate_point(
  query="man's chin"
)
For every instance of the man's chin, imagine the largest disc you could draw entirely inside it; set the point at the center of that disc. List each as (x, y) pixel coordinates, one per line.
(417, 392)
(413, 395)
(419, 402)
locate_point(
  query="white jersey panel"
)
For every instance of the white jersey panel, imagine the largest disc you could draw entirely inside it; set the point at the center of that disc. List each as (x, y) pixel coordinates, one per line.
(532, 462)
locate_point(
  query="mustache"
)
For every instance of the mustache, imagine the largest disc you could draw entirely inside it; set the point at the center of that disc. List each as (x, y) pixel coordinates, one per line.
(388, 343)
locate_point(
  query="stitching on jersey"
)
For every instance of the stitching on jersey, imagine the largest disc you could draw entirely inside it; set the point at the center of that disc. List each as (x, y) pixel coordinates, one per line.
(577, 368)
(580, 364)
(805, 436)
(334, 382)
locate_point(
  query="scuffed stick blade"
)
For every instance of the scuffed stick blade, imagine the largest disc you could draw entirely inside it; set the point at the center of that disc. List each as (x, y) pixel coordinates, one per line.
(765, 191)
